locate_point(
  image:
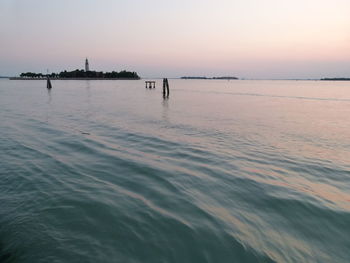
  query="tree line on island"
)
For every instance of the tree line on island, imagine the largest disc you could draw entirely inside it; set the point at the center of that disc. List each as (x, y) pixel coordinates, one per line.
(81, 74)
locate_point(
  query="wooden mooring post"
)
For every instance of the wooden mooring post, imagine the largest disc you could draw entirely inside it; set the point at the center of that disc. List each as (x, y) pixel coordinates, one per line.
(48, 84)
(150, 84)
(165, 88)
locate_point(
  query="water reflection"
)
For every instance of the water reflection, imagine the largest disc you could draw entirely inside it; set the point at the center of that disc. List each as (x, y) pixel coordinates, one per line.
(165, 104)
(49, 96)
(88, 91)
(88, 98)
(49, 100)
(88, 85)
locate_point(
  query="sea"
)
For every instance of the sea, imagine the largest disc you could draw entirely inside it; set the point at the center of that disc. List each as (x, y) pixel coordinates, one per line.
(220, 171)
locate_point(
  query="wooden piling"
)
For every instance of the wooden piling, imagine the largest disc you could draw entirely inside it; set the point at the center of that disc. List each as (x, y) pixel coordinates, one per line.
(48, 84)
(150, 84)
(166, 87)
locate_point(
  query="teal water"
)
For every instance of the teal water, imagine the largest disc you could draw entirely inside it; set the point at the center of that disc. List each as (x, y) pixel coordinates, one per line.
(222, 171)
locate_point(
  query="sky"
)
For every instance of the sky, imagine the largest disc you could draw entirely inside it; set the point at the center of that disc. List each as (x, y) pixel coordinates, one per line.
(259, 39)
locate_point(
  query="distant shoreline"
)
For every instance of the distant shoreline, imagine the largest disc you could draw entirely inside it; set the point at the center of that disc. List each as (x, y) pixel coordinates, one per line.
(323, 79)
(335, 79)
(19, 78)
(214, 78)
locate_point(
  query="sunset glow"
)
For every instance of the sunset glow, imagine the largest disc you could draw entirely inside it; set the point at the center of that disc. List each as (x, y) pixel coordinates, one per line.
(250, 39)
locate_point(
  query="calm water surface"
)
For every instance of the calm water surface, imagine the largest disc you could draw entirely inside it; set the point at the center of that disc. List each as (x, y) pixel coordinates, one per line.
(222, 171)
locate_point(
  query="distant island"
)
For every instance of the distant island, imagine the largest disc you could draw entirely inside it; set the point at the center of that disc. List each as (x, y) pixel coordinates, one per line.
(336, 79)
(226, 78)
(81, 74)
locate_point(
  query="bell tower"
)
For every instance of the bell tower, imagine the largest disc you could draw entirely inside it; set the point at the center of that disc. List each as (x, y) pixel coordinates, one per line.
(87, 65)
